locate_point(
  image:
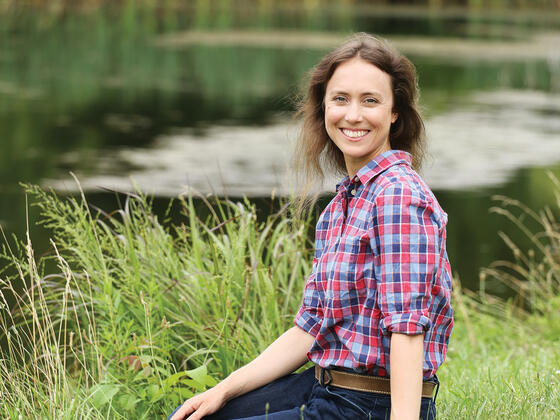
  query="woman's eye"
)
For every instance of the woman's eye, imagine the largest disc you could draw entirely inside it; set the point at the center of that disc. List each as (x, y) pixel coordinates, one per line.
(371, 101)
(339, 99)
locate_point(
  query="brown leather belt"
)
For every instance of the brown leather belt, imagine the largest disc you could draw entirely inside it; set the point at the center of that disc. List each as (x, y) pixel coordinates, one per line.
(358, 382)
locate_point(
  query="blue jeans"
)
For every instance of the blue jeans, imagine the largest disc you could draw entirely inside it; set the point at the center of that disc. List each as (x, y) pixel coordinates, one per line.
(300, 396)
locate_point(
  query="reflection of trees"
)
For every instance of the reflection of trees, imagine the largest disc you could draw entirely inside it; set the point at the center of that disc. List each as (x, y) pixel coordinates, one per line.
(437, 17)
(202, 6)
(82, 81)
(79, 77)
(66, 82)
(473, 240)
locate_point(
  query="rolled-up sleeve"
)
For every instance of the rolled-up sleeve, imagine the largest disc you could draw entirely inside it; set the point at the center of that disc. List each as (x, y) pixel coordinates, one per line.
(405, 240)
(310, 314)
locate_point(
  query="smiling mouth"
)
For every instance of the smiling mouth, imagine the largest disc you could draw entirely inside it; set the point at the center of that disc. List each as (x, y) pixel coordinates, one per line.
(353, 135)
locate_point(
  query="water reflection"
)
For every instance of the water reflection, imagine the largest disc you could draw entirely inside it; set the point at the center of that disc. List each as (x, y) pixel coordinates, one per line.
(480, 142)
(120, 92)
(226, 160)
(485, 141)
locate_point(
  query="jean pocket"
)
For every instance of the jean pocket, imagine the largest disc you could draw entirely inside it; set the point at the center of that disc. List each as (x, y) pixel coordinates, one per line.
(428, 409)
(359, 402)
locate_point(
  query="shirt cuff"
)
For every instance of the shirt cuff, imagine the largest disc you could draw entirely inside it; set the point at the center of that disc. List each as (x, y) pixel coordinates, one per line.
(307, 322)
(410, 323)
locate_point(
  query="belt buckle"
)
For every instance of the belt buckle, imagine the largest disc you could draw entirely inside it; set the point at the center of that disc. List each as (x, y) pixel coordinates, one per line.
(322, 381)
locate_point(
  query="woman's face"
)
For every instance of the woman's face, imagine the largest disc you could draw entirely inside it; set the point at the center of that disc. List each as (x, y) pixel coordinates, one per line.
(359, 112)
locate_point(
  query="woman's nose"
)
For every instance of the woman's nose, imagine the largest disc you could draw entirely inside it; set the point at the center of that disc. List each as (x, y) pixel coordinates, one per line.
(353, 113)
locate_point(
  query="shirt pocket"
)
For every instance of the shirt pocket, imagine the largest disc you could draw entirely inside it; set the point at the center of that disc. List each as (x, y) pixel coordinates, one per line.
(347, 272)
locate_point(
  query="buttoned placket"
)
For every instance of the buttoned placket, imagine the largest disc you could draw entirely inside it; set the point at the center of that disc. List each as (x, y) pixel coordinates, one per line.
(352, 191)
(339, 227)
(347, 194)
(354, 186)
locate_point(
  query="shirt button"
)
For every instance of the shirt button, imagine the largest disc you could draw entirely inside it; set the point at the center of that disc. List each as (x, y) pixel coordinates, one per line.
(353, 192)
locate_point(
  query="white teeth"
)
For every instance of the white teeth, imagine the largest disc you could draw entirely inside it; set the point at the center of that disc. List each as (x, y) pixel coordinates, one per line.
(354, 133)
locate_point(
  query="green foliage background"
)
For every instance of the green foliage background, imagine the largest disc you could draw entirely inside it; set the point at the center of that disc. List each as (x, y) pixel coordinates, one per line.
(129, 315)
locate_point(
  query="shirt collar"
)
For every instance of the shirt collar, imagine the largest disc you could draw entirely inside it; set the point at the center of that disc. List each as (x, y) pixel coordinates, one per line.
(378, 165)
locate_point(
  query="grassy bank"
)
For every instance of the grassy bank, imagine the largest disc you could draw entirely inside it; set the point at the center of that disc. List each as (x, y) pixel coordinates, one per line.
(140, 314)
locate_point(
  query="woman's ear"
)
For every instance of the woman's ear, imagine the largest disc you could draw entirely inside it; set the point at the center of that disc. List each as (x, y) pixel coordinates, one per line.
(394, 117)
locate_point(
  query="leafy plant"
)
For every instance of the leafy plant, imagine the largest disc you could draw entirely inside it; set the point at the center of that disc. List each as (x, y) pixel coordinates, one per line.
(136, 315)
(128, 315)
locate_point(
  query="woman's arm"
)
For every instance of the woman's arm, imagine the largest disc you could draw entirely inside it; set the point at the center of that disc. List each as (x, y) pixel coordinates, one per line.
(283, 356)
(406, 375)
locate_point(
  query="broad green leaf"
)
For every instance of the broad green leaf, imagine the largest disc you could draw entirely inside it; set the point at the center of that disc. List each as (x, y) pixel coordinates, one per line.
(173, 379)
(210, 382)
(104, 393)
(199, 374)
(185, 393)
(131, 403)
(152, 390)
(128, 401)
(193, 384)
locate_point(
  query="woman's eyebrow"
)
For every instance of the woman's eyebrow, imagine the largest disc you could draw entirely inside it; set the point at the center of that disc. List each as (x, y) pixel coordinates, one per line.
(343, 92)
(373, 93)
(337, 92)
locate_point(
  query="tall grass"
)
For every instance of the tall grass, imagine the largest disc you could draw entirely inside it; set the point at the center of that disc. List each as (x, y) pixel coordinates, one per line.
(533, 274)
(501, 364)
(133, 304)
(504, 360)
(130, 314)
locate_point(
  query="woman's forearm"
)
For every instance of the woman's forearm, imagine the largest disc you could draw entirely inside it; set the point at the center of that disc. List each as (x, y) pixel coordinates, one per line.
(286, 354)
(283, 356)
(406, 376)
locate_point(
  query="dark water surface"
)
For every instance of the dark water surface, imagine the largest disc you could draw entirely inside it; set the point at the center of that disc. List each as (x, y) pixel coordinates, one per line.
(120, 92)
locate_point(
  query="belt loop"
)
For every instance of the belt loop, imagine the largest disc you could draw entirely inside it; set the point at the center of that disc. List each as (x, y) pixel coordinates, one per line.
(437, 388)
(322, 381)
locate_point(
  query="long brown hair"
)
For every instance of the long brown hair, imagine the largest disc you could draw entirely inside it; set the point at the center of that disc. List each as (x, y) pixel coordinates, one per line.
(315, 152)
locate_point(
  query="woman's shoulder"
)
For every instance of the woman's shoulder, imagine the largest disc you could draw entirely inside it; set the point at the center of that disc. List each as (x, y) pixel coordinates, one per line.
(402, 178)
(402, 184)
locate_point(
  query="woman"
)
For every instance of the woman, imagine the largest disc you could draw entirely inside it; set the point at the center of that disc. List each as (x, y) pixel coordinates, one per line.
(377, 303)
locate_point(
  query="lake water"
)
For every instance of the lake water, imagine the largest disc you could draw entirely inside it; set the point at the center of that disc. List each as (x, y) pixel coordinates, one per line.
(202, 97)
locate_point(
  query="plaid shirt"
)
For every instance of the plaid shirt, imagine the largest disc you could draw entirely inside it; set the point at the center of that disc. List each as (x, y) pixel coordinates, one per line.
(380, 266)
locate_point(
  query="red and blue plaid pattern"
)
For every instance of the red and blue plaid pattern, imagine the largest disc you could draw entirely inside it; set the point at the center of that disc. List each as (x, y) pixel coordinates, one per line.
(380, 266)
